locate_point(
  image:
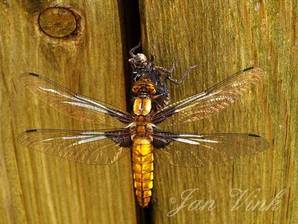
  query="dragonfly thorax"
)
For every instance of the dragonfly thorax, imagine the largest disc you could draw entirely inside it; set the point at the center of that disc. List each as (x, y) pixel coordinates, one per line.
(142, 106)
(141, 128)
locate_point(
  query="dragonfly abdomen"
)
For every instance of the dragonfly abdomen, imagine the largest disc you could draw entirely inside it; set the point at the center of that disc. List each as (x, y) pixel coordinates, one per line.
(142, 163)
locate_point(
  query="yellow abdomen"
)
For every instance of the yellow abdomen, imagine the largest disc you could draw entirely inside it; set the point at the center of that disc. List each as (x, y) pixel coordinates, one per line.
(142, 164)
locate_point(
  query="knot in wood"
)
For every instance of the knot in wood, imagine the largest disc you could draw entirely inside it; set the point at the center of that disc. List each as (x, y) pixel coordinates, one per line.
(59, 22)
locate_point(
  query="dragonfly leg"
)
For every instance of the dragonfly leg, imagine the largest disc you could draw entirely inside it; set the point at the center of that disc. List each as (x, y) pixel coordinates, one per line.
(184, 76)
(132, 50)
(167, 71)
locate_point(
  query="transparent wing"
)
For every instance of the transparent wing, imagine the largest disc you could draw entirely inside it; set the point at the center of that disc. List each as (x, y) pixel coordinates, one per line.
(188, 150)
(211, 100)
(90, 147)
(76, 106)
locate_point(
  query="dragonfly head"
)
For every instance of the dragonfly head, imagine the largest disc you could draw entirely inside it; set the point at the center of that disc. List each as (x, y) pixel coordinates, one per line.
(143, 91)
(143, 88)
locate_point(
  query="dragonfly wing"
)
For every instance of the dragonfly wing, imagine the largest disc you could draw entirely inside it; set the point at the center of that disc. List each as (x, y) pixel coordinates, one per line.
(199, 150)
(90, 147)
(76, 106)
(211, 100)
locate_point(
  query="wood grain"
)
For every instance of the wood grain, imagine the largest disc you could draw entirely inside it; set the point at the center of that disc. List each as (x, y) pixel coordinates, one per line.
(222, 37)
(37, 188)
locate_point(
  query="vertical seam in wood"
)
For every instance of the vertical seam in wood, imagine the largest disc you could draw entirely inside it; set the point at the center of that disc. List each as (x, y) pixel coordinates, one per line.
(130, 30)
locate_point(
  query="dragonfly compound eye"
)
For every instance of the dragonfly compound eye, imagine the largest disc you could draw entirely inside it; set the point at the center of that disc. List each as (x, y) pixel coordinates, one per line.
(144, 87)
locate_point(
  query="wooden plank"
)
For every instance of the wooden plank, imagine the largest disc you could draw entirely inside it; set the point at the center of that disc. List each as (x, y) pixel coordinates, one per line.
(36, 188)
(222, 37)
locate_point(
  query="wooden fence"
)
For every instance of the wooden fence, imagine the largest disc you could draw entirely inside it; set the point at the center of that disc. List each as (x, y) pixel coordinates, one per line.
(84, 44)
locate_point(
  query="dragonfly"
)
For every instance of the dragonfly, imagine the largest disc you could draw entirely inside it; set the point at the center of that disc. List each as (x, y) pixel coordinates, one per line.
(138, 133)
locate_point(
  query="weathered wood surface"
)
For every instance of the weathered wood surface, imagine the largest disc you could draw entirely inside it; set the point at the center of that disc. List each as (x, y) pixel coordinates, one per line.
(222, 37)
(36, 188)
